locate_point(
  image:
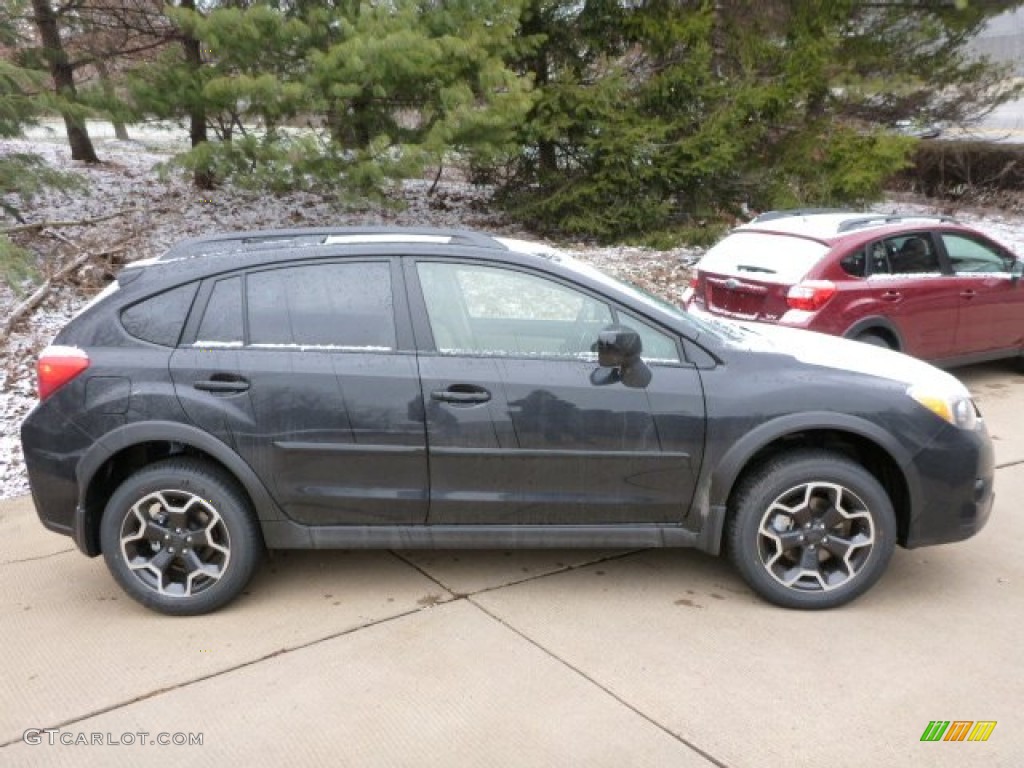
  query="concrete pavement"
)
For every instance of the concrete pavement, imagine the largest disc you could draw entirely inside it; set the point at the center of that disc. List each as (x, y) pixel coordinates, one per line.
(660, 658)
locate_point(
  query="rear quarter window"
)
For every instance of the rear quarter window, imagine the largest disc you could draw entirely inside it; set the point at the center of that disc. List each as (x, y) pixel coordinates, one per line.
(764, 257)
(160, 318)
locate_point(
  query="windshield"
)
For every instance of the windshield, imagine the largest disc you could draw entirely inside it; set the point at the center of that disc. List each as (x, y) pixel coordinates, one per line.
(712, 325)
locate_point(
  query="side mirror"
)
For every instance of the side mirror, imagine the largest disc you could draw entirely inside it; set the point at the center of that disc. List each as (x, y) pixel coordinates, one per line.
(1017, 271)
(618, 354)
(618, 346)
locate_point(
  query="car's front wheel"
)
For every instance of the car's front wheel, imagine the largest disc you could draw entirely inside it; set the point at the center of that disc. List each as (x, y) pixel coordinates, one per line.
(180, 537)
(811, 529)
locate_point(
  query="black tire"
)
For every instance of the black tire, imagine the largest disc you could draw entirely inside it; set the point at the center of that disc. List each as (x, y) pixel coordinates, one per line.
(180, 537)
(811, 529)
(874, 339)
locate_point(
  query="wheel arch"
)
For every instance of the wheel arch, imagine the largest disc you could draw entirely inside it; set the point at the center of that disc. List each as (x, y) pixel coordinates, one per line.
(879, 325)
(134, 446)
(861, 440)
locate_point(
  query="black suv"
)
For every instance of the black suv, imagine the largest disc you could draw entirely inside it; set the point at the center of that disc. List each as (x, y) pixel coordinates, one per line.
(389, 388)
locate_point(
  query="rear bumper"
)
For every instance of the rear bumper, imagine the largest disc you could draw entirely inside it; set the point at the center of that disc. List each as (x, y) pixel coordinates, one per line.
(957, 476)
(52, 478)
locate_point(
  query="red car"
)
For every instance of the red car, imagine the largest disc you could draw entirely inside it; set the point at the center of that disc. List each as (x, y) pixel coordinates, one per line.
(927, 286)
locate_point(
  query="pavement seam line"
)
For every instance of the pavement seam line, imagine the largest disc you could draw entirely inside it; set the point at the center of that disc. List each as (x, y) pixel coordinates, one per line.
(457, 595)
(235, 668)
(607, 691)
(37, 557)
(1010, 464)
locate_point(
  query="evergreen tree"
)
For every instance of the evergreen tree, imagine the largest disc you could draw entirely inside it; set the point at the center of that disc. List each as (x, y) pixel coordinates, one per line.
(379, 90)
(22, 174)
(61, 70)
(660, 113)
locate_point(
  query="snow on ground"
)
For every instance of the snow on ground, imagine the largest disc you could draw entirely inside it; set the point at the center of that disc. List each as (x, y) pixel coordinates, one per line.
(162, 211)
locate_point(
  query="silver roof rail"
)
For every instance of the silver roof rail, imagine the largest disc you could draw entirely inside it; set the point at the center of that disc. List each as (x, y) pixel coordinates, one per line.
(884, 218)
(313, 236)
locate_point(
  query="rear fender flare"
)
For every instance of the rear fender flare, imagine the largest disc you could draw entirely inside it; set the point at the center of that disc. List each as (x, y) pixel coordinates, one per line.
(868, 324)
(168, 431)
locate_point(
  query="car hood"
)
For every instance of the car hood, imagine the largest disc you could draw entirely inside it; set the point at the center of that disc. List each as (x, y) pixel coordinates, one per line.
(841, 354)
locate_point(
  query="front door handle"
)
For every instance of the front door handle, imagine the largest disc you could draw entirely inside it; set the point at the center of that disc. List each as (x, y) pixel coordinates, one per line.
(968, 294)
(222, 383)
(461, 394)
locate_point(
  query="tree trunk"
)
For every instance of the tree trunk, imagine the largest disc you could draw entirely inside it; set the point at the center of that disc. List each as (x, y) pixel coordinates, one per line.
(120, 131)
(203, 178)
(539, 65)
(63, 80)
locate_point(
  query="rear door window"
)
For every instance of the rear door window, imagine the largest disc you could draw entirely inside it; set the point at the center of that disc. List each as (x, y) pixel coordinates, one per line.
(330, 306)
(222, 321)
(909, 254)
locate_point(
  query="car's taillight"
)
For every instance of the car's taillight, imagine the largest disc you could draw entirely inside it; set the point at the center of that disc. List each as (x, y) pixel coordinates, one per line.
(810, 295)
(57, 366)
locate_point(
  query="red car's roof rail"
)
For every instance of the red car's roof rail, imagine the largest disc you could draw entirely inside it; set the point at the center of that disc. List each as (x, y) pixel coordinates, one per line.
(784, 213)
(891, 218)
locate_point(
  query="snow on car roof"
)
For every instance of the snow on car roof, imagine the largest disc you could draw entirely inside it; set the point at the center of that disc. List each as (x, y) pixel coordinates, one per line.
(825, 226)
(820, 225)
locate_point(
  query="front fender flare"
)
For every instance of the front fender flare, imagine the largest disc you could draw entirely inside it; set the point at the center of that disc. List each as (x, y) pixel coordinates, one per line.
(714, 490)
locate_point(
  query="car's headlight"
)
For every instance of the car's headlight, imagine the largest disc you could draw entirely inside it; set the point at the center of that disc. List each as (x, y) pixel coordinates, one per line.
(956, 409)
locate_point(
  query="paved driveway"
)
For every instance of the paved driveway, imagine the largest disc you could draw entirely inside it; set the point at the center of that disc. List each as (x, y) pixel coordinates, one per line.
(659, 658)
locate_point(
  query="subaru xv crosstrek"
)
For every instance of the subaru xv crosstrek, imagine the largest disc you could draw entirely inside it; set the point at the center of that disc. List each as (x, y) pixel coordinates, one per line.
(389, 388)
(927, 286)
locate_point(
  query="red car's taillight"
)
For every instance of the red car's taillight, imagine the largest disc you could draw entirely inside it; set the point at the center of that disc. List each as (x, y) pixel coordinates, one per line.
(57, 366)
(810, 295)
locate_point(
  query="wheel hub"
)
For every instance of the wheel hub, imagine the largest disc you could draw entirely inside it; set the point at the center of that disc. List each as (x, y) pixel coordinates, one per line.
(175, 543)
(815, 537)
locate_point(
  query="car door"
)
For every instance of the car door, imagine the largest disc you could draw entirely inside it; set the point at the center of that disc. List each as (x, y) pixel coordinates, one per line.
(908, 286)
(326, 402)
(518, 431)
(991, 301)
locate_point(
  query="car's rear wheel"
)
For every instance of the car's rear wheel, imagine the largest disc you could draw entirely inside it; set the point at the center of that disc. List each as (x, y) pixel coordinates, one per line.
(180, 537)
(811, 529)
(874, 339)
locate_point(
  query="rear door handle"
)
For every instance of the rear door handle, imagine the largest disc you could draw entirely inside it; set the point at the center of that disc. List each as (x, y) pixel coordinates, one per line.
(968, 294)
(892, 296)
(222, 382)
(462, 394)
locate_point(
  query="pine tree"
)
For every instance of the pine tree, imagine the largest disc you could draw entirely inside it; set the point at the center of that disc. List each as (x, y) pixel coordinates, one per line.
(376, 91)
(659, 114)
(22, 174)
(62, 72)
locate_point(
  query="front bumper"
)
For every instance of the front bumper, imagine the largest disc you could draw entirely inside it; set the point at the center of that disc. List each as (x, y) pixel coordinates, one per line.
(956, 475)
